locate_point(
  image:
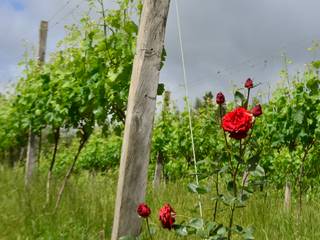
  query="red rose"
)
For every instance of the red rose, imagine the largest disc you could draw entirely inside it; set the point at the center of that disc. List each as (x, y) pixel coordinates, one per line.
(237, 123)
(249, 83)
(143, 210)
(220, 99)
(256, 110)
(167, 216)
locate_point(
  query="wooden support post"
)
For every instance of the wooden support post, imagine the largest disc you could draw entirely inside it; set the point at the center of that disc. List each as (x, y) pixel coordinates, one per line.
(32, 159)
(159, 170)
(135, 153)
(287, 196)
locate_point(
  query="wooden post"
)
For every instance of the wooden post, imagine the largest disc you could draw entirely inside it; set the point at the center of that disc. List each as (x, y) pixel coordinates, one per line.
(135, 153)
(32, 159)
(158, 174)
(287, 196)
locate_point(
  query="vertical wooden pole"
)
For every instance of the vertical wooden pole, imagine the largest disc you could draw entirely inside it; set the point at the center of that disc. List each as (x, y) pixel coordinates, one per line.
(43, 34)
(135, 153)
(31, 163)
(287, 196)
(158, 174)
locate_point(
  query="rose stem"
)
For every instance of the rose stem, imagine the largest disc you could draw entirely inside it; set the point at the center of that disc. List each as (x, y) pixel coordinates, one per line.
(149, 229)
(248, 96)
(235, 190)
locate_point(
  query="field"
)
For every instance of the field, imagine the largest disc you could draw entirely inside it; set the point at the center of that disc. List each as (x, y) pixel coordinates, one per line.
(86, 211)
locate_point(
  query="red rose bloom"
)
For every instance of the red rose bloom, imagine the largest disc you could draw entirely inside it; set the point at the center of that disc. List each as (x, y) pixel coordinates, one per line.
(167, 216)
(237, 123)
(256, 110)
(143, 210)
(249, 83)
(220, 99)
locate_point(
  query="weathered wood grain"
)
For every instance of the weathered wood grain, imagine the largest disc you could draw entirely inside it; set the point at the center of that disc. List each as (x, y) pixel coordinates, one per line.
(139, 121)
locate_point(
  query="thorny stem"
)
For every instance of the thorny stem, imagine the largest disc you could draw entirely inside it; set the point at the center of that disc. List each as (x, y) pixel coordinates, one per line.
(231, 221)
(235, 191)
(247, 102)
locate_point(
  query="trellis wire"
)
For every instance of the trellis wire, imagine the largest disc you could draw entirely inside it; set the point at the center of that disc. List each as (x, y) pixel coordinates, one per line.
(188, 103)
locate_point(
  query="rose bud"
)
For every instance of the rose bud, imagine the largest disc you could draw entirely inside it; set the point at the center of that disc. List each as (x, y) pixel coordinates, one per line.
(220, 99)
(143, 210)
(256, 110)
(167, 216)
(249, 83)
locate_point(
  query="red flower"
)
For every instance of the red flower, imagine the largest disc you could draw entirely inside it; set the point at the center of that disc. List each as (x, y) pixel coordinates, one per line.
(167, 216)
(237, 123)
(249, 83)
(143, 210)
(256, 110)
(220, 99)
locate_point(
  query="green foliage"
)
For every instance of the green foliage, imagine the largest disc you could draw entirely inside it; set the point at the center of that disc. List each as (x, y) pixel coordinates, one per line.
(101, 154)
(83, 85)
(292, 129)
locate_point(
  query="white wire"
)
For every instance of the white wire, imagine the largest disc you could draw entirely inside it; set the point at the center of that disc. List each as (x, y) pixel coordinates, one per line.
(59, 10)
(188, 103)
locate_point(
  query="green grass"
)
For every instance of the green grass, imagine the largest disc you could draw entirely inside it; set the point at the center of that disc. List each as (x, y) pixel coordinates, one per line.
(87, 211)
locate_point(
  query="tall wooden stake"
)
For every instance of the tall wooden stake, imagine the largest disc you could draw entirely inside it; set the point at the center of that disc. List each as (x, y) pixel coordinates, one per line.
(31, 163)
(158, 174)
(135, 153)
(287, 196)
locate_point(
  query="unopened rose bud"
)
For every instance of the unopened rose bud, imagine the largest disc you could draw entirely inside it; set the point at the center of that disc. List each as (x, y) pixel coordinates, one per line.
(143, 210)
(249, 83)
(256, 110)
(220, 99)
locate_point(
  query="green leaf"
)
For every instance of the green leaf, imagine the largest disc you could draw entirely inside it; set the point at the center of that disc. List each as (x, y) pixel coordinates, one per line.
(222, 231)
(239, 98)
(253, 162)
(316, 64)
(228, 200)
(160, 89)
(248, 234)
(181, 230)
(196, 223)
(224, 169)
(230, 186)
(153, 230)
(258, 172)
(197, 189)
(298, 116)
(238, 229)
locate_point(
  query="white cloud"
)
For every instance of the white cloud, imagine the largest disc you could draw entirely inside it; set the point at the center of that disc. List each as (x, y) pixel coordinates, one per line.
(225, 41)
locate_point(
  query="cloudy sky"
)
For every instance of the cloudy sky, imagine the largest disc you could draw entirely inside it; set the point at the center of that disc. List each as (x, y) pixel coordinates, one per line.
(225, 41)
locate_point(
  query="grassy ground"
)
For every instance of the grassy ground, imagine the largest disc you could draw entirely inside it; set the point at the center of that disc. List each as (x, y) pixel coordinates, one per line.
(87, 210)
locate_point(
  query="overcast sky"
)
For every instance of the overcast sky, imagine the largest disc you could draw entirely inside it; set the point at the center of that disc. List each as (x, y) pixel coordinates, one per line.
(225, 41)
